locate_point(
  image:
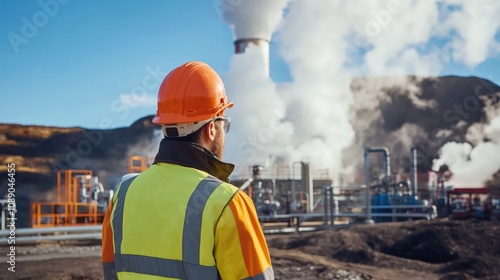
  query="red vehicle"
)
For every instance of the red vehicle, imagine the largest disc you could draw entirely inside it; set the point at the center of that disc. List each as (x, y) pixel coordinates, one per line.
(461, 206)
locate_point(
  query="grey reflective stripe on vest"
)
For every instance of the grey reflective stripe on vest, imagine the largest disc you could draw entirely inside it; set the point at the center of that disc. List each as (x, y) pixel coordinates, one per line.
(189, 267)
(163, 267)
(268, 274)
(118, 216)
(109, 271)
(191, 234)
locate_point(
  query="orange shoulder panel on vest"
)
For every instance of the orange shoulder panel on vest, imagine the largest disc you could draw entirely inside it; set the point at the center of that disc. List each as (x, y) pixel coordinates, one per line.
(107, 237)
(252, 242)
(241, 248)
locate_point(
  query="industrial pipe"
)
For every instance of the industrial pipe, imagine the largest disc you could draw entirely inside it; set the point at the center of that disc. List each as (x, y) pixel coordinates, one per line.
(35, 239)
(48, 230)
(333, 208)
(246, 184)
(414, 177)
(273, 181)
(326, 190)
(307, 182)
(293, 209)
(387, 168)
(98, 188)
(85, 194)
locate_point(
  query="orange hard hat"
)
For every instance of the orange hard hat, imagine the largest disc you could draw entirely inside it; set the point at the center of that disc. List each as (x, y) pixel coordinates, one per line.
(191, 93)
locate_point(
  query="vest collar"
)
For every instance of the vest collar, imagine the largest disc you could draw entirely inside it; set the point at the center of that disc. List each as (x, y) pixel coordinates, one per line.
(193, 155)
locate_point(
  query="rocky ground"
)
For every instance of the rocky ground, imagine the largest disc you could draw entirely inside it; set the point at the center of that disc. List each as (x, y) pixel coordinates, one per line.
(443, 250)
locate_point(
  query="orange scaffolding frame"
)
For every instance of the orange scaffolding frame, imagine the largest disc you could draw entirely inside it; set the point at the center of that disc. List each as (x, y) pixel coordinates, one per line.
(68, 209)
(137, 164)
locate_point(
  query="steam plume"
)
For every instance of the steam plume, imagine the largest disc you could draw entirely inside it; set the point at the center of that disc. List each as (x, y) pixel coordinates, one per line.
(253, 19)
(324, 111)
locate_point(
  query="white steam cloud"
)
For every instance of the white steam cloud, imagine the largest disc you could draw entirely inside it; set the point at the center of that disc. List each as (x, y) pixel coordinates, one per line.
(327, 43)
(258, 129)
(253, 19)
(476, 25)
(133, 100)
(473, 166)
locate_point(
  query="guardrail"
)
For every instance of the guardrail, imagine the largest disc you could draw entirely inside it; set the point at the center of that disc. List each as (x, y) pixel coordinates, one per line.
(33, 235)
(329, 216)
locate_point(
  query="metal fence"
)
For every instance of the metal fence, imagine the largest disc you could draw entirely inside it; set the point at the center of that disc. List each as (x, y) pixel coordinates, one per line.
(334, 206)
(33, 235)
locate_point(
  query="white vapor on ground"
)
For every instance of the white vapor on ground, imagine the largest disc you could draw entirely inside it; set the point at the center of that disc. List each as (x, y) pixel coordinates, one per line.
(326, 43)
(471, 165)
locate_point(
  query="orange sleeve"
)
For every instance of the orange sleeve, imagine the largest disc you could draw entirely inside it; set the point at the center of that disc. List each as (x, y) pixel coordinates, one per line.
(107, 237)
(240, 247)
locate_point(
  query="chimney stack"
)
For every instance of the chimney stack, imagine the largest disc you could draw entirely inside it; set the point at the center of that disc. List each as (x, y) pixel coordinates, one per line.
(253, 23)
(240, 45)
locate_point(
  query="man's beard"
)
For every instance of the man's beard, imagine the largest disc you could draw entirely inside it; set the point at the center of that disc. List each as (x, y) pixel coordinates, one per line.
(218, 145)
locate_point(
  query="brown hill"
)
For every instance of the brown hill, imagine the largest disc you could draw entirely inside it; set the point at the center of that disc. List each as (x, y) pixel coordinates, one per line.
(39, 152)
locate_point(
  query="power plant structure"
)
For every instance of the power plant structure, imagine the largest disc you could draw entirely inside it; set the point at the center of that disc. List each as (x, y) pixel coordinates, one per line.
(290, 197)
(282, 195)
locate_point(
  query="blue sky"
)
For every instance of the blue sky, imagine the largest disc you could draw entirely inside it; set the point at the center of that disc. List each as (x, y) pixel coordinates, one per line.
(82, 55)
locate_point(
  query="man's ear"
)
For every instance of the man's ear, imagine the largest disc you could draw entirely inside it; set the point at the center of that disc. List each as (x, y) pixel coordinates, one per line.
(210, 131)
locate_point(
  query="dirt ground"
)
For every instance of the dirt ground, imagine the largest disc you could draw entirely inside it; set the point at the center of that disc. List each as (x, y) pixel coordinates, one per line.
(443, 250)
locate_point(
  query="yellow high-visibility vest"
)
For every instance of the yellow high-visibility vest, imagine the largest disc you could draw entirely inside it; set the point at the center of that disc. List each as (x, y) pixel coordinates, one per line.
(176, 222)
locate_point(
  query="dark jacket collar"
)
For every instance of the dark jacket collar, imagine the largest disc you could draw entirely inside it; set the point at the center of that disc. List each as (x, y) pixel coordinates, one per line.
(193, 155)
